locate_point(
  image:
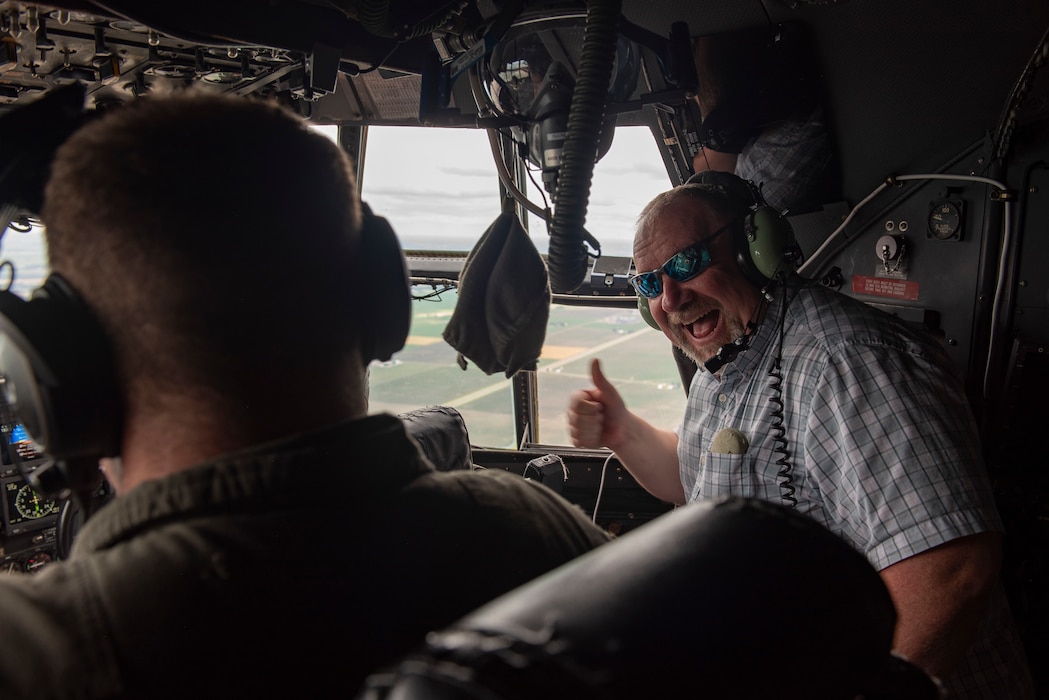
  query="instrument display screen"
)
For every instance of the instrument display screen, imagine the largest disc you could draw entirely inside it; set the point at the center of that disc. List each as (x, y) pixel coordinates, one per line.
(24, 508)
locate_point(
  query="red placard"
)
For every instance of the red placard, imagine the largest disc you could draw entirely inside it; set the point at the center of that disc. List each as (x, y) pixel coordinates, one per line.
(885, 287)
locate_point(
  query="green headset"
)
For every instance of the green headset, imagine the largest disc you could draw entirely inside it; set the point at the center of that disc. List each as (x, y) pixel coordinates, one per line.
(763, 239)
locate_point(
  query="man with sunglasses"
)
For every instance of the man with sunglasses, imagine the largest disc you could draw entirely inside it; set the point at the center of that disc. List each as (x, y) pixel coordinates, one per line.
(810, 398)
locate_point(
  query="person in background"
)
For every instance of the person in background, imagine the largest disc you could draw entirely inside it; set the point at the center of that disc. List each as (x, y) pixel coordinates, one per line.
(268, 538)
(807, 397)
(761, 100)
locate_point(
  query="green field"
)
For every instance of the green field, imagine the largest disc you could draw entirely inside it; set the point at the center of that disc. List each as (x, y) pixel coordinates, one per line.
(635, 357)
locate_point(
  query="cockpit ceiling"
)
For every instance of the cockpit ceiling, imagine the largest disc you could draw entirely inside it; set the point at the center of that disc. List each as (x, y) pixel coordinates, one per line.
(341, 60)
(884, 63)
(123, 55)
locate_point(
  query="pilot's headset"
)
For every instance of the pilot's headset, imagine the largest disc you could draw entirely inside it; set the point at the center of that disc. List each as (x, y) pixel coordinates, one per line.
(763, 240)
(58, 374)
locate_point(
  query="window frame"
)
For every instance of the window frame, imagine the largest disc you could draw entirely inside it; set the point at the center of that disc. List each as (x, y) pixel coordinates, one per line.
(429, 267)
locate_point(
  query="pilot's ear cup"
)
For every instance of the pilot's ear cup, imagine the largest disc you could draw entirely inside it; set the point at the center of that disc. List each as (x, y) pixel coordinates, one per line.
(58, 369)
(646, 312)
(383, 273)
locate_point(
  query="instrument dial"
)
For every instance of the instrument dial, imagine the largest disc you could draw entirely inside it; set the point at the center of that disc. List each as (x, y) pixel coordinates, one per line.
(31, 506)
(37, 561)
(945, 220)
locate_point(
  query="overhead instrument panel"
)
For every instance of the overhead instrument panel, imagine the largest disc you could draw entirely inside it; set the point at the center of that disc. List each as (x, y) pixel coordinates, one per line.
(119, 59)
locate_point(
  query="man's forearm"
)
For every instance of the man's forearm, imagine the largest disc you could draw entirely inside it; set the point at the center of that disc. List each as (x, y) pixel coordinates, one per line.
(940, 596)
(650, 455)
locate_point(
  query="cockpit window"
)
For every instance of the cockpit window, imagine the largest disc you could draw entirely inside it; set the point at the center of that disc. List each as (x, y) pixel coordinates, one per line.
(24, 255)
(439, 189)
(625, 180)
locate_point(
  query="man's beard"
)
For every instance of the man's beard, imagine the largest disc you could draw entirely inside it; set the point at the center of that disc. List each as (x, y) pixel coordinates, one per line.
(731, 329)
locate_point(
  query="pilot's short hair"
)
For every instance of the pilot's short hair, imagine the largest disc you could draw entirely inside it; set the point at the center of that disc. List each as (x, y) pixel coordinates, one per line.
(199, 225)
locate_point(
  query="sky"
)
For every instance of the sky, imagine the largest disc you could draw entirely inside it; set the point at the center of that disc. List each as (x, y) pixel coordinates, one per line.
(25, 251)
(440, 185)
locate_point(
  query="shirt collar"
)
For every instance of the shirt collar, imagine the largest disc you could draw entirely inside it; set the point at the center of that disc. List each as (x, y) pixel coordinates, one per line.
(762, 339)
(346, 462)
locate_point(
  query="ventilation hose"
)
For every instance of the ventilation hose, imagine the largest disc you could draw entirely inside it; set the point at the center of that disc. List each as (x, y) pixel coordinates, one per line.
(568, 254)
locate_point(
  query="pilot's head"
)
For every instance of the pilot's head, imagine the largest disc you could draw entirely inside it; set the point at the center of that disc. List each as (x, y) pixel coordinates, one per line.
(696, 291)
(215, 238)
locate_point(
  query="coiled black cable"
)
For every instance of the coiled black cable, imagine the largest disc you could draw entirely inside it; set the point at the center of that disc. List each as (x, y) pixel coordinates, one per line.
(779, 432)
(785, 475)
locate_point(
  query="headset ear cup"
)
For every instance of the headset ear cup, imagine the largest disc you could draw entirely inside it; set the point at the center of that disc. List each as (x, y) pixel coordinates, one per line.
(765, 243)
(646, 312)
(769, 241)
(59, 374)
(384, 274)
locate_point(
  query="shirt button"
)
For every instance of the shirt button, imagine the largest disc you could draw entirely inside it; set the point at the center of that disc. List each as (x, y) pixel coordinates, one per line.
(723, 398)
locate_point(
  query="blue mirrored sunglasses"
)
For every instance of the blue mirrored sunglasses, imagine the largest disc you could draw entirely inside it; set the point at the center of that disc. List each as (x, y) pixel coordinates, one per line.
(682, 266)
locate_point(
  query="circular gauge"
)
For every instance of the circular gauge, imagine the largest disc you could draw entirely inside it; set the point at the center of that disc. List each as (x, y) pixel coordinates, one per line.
(37, 561)
(31, 506)
(945, 219)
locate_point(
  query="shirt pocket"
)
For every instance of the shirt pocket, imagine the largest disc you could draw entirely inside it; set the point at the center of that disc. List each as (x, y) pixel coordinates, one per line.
(726, 475)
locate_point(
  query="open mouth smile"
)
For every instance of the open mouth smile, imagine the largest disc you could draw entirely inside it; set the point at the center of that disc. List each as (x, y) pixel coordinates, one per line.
(701, 328)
